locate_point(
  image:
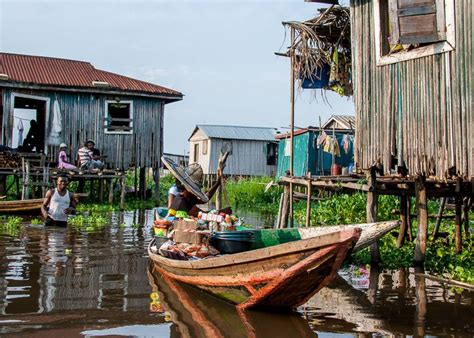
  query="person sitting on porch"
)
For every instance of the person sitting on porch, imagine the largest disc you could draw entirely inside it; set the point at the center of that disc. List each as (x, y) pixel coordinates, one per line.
(85, 155)
(63, 162)
(58, 203)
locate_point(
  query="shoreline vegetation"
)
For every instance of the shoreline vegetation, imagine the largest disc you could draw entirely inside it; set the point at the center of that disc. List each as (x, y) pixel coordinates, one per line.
(251, 194)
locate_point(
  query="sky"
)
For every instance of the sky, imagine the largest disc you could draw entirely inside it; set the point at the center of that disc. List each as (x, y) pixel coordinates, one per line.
(219, 54)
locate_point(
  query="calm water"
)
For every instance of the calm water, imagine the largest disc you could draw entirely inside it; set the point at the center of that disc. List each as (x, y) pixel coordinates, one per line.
(67, 282)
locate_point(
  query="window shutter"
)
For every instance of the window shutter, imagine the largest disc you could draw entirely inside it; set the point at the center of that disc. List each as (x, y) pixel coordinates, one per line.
(416, 21)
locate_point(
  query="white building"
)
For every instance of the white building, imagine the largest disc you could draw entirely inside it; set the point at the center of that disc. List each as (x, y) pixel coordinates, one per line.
(253, 150)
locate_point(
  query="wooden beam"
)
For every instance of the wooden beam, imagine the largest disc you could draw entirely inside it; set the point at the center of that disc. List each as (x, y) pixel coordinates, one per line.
(308, 204)
(458, 218)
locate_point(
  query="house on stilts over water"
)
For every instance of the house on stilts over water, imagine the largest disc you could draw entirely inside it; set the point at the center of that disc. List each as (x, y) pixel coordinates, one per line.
(124, 116)
(412, 83)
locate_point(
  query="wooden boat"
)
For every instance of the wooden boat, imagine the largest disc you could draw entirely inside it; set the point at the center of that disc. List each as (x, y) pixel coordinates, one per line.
(29, 205)
(277, 277)
(21, 205)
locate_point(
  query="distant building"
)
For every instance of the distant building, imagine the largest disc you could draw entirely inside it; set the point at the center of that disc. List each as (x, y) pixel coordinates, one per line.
(122, 115)
(312, 153)
(253, 150)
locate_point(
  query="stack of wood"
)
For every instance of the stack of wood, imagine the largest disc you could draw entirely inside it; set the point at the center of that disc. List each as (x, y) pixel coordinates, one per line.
(9, 160)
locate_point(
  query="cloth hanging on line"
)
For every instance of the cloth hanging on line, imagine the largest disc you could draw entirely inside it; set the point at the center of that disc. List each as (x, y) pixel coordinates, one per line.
(332, 146)
(321, 139)
(346, 143)
(56, 128)
(20, 132)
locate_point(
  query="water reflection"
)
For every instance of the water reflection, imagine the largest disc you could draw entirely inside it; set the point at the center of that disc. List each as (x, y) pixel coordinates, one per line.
(72, 282)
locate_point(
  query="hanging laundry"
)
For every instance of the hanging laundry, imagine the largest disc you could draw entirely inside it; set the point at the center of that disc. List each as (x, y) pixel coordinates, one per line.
(321, 139)
(20, 132)
(332, 146)
(346, 143)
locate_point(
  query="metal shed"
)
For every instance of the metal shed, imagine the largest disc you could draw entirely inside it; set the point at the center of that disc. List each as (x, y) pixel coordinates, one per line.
(253, 149)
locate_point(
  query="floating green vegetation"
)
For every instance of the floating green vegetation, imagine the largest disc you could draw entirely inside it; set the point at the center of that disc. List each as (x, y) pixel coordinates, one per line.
(250, 193)
(10, 225)
(88, 223)
(36, 221)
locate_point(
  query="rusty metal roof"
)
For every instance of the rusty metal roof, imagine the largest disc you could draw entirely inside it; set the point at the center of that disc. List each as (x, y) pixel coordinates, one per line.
(55, 72)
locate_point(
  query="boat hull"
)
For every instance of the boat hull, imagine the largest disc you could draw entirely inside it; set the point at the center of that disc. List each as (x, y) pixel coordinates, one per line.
(279, 277)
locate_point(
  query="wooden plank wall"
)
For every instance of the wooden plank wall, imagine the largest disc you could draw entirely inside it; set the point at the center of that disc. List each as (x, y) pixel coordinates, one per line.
(437, 107)
(83, 119)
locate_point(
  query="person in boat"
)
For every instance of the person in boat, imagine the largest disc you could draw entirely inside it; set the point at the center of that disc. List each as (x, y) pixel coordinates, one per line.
(191, 194)
(58, 203)
(63, 162)
(174, 191)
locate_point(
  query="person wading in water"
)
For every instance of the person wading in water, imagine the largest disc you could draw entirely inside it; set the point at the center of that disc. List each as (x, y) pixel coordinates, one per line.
(58, 204)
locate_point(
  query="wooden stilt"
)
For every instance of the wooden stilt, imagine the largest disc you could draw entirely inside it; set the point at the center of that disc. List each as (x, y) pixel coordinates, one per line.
(111, 191)
(135, 181)
(409, 220)
(156, 177)
(285, 208)
(458, 216)
(465, 218)
(142, 183)
(122, 193)
(439, 217)
(421, 201)
(373, 284)
(278, 221)
(403, 221)
(372, 215)
(101, 189)
(308, 203)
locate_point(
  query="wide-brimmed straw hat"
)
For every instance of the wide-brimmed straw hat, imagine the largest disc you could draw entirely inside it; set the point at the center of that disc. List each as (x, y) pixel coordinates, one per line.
(189, 177)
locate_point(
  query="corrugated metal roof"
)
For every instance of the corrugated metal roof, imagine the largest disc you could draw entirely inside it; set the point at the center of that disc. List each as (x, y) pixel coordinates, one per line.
(344, 121)
(237, 132)
(57, 72)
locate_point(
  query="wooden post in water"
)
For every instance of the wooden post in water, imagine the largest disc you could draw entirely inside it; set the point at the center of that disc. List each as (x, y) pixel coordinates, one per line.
(142, 183)
(122, 192)
(458, 215)
(111, 191)
(421, 206)
(308, 201)
(156, 177)
(403, 220)
(439, 217)
(467, 206)
(284, 208)
(372, 200)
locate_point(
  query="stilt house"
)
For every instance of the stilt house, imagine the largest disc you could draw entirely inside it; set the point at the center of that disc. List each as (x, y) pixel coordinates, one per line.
(72, 102)
(253, 150)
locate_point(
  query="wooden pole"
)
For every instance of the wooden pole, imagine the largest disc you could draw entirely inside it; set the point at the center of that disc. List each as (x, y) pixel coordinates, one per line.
(285, 208)
(439, 217)
(458, 214)
(409, 220)
(122, 193)
(135, 181)
(111, 191)
(308, 201)
(292, 123)
(156, 177)
(321, 152)
(101, 189)
(421, 202)
(372, 199)
(403, 220)
(465, 217)
(142, 183)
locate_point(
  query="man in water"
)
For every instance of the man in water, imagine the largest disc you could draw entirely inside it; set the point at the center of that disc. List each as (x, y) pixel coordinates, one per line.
(58, 203)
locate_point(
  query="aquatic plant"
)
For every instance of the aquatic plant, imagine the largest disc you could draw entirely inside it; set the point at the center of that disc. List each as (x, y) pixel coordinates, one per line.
(10, 225)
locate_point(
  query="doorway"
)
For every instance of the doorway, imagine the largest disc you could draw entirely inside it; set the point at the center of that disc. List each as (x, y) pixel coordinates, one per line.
(29, 123)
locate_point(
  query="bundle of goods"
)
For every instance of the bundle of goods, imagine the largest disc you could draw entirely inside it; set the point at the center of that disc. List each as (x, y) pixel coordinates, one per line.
(184, 237)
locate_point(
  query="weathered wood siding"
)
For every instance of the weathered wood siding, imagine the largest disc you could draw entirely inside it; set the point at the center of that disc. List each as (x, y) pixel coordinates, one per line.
(83, 119)
(436, 97)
